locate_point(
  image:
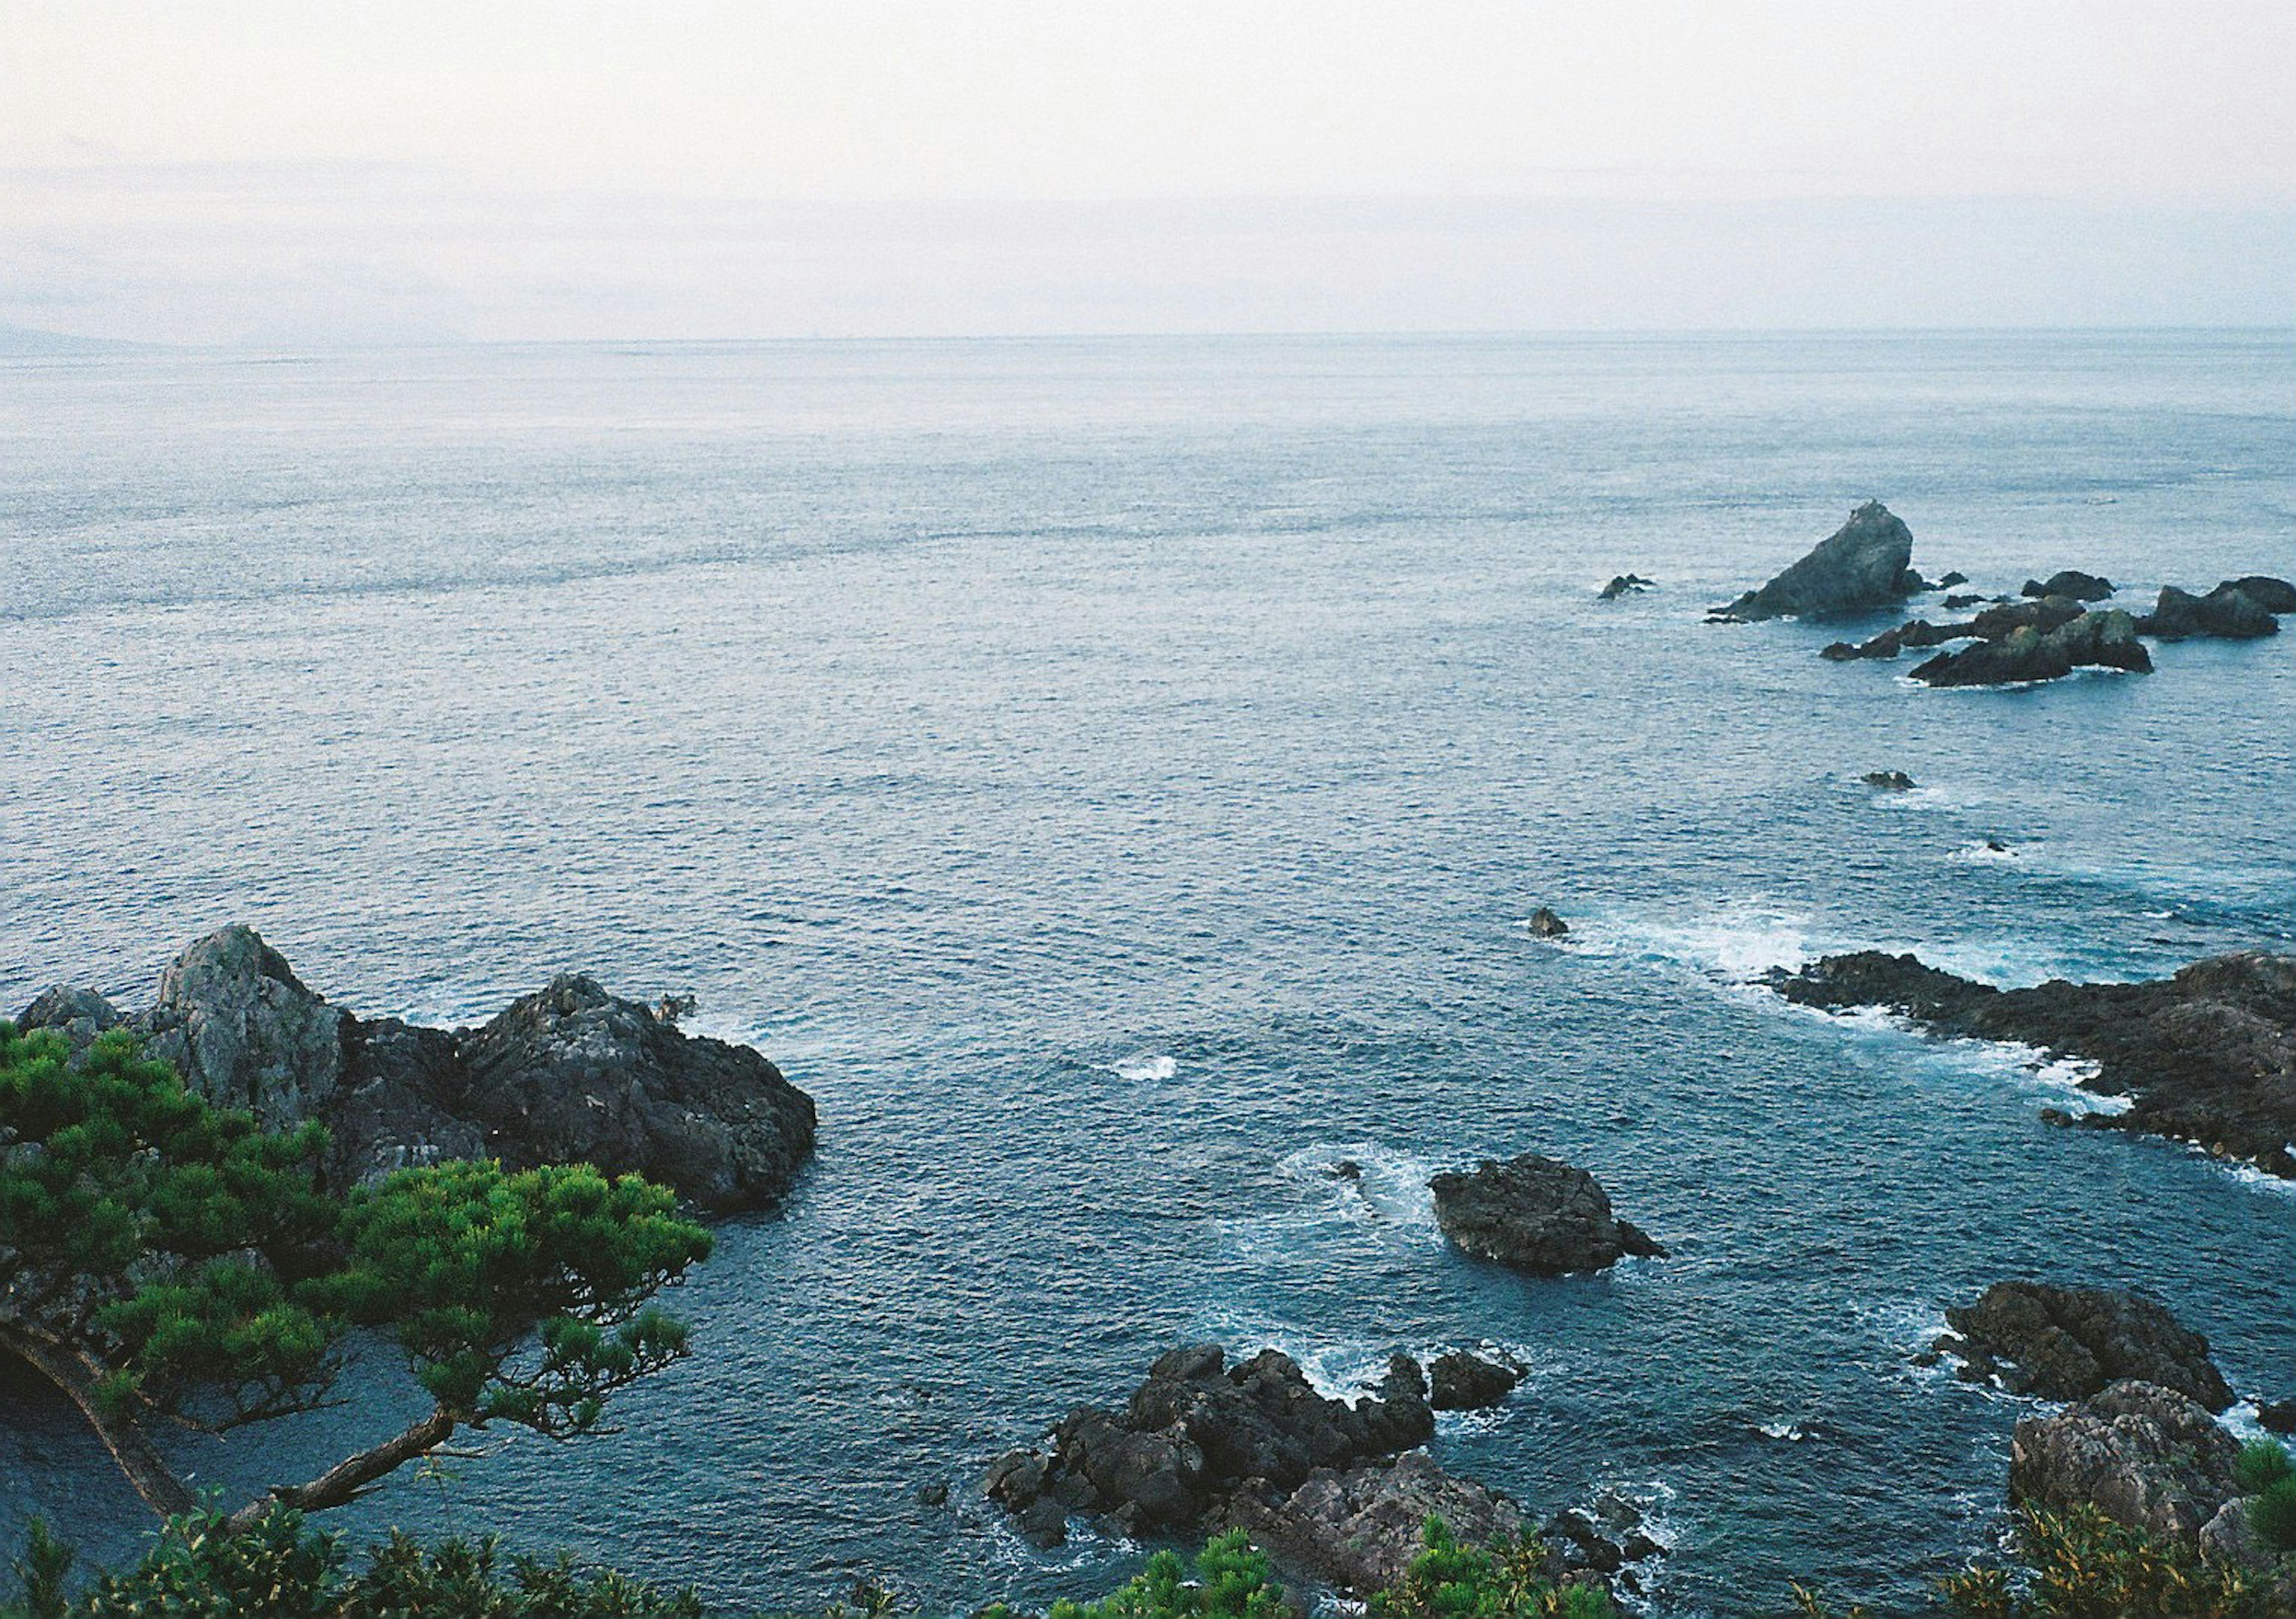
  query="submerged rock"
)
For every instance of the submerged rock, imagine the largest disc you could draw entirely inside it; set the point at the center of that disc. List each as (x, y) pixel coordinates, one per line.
(2070, 582)
(1461, 1382)
(1536, 1215)
(2208, 1056)
(1861, 566)
(1545, 924)
(2144, 1456)
(2070, 1343)
(571, 1073)
(1625, 585)
(1890, 781)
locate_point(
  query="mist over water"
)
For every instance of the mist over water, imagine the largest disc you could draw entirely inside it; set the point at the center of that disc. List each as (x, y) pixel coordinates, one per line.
(1111, 777)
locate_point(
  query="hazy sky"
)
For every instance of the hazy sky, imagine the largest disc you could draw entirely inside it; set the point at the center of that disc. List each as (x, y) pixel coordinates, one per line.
(318, 170)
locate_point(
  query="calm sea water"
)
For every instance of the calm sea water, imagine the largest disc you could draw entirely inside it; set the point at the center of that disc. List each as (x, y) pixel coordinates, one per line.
(1111, 777)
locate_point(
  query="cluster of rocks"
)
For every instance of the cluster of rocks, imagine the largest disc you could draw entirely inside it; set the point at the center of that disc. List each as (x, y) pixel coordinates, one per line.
(1339, 1489)
(1536, 1215)
(1625, 584)
(2052, 630)
(571, 1073)
(2207, 1056)
(2059, 1342)
(1890, 780)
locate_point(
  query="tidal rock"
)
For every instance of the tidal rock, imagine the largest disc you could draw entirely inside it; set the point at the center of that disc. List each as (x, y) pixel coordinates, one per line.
(1952, 579)
(2208, 1056)
(2144, 1456)
(1536, 1215)
(2228, 612)
(1464, 1382)
(1859, 567)
(572, 1073)
(2070, 1343)
(2070, 582)
(1955, 603)
(244, 1032)
(2273, 595)
(1362, 1527)
(1545, 924)
(2277, 1417)
(1891, 780)
(2106, 641)
(1197, 1433)
(1625, 585)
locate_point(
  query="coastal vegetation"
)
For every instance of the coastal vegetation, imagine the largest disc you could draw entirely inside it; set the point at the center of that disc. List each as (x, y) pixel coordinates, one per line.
(172, 1263)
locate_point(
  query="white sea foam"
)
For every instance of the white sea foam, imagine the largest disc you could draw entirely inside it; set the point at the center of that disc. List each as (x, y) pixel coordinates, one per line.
(1735, 942)
(1781, 1429)
(1388, 1187)
(1986, 852)
(1148, 1067)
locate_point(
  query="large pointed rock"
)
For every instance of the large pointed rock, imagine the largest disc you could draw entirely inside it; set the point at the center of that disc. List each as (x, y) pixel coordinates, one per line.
(243, 1031)
(1863, 565)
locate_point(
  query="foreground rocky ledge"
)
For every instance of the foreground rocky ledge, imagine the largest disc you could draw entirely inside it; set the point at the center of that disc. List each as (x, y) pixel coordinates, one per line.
(1337, 1489)
(2208, 1056)
(572, 1073)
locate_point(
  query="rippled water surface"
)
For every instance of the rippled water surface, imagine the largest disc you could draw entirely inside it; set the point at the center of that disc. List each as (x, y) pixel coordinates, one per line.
(1111, 778)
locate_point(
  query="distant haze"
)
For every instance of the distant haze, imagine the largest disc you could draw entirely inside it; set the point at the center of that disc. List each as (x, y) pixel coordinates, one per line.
(296, 175)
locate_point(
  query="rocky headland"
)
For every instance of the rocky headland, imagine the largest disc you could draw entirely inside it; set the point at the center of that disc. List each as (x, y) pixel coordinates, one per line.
(571, 1074)
(2207, 1056)
(1536, 1215)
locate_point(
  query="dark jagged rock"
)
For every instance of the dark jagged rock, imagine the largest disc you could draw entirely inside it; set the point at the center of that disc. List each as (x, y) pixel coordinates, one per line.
(1463, 1382)
(2070, 582)
(1859, 567)
(572, 1073)
(2106, 641)
(2227, 613)
(2070, 1343)
(2144, 1456)
(1955, 603)
(1890, 781)
(1545, 924)
(78, 1015)
(1536, 1215)
(1199, 1432)
(1625, 585)
(1952, 579)
(2208, 1056)
(1993, 624)
(2277, 1417)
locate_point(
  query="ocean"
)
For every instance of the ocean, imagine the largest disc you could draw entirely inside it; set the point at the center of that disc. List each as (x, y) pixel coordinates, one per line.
(1111, 777)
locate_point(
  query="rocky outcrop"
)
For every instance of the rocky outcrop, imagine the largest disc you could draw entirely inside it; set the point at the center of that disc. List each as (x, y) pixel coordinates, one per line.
(1625, 584)
(1536, 1215)
(1333, 1488)
(1198, 1432)
(2144, 1456)
(2070, 1343)
(2229, 612)
(2273, 595)
(572, 1073)
(2103, 641)
(2208, 1056)
(1545, 924)
(78, 1015)
(1861, 566)
(1889, 780)
(1458, 1381)
(2070, 582)
(1993, 624)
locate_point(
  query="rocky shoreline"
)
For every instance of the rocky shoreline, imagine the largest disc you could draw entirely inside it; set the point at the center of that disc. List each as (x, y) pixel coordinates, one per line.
(2207, 1056)
(571, 1074)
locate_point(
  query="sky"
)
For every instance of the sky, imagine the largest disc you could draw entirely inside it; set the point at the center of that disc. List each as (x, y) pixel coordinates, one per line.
(343, 172)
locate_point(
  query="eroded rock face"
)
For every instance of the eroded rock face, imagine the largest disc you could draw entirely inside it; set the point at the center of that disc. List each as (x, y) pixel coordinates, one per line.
(1861, 566)
(1361, 1527)
(2208, 1056)
(572, 1073)
(2144, 1456)
(2070, 1343)
(1536, 1215)
(244, 1032)
(78, 1015)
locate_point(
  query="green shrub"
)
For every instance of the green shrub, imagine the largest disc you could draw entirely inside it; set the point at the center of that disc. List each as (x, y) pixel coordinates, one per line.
(2261, 1465)
(2272, 1514)
(1448, 1580)
(2084, 1566)
(1232, 1581)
